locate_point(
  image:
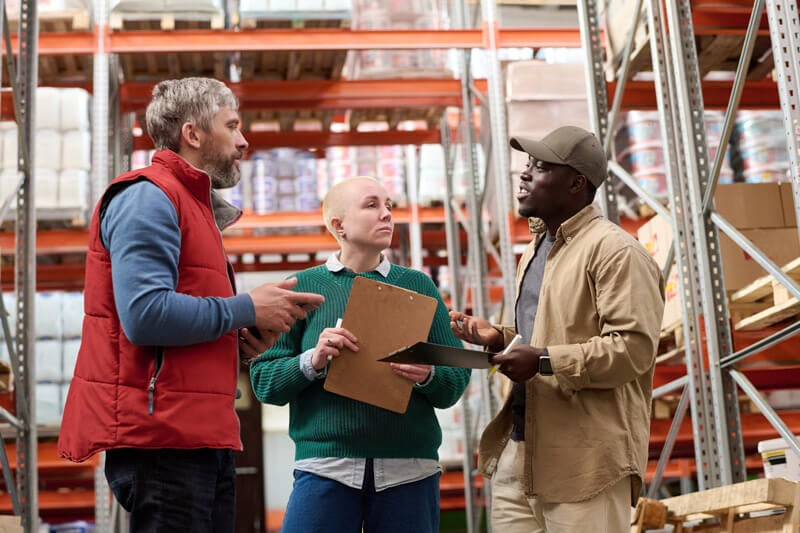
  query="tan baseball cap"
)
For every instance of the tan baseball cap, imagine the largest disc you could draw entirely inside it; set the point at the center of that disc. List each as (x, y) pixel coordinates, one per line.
(569, 145)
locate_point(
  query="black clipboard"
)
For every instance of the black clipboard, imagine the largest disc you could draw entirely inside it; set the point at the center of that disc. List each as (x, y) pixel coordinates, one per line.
(426, 353)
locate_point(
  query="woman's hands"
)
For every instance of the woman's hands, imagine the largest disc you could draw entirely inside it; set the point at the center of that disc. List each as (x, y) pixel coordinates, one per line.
(331, 342)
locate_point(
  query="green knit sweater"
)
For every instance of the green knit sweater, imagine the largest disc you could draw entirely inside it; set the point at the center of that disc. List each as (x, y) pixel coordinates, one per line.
(323, 424)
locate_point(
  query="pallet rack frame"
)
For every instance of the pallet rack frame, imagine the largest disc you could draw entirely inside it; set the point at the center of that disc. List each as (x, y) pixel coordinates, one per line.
(712, 391)
(23, 78)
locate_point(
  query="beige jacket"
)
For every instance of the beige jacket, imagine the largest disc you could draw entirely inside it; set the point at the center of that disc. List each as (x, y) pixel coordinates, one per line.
(599, 316)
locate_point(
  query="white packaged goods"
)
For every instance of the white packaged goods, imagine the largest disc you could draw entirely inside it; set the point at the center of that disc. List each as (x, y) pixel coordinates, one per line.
(49, 5)
(48, 314)
(48, 403)
(779, 460)
(143, 6)
(69, 350)
(48, 149)
(76, 150)
(46, 188)
(9, 181)
(73, 189)
(166, 6)
(193, 6)
(331, 8)
(74, 109)
(72, 314)
(10, 303)
(48, 108)
(48, 360)
(10, 150)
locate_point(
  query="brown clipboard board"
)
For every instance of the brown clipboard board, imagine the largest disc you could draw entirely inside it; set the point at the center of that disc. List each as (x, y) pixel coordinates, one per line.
(384, 318)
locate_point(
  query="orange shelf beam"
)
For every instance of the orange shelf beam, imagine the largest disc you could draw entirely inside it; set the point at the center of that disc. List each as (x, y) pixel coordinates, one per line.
(258, 40)
(325, 94)
(70, 241)
(314, 218)
(709, 18)
(405, 93)
(263, 140)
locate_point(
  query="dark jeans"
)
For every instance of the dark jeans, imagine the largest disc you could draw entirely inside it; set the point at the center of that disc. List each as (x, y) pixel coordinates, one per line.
(321, 505)
(175, 490)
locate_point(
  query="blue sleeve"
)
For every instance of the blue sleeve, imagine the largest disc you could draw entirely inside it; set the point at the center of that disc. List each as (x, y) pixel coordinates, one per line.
(141, 232)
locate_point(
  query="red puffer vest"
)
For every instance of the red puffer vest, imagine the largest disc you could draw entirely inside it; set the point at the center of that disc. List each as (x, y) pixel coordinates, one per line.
(127, 396)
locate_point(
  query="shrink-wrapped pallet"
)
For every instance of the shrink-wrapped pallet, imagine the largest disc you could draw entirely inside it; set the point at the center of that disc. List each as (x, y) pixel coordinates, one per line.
(73, 188)
(76, 146)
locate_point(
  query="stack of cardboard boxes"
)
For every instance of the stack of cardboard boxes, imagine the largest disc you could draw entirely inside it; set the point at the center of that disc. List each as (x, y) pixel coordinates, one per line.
(762, 212)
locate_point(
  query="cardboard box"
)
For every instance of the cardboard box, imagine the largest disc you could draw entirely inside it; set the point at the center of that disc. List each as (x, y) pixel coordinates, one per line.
(10, 524)
(787, 201)
(750, 205)
(537, 80)
(673, 303)
(656, 237)
(536, 118)
(618, 15)
(781, 245)
(779, 460)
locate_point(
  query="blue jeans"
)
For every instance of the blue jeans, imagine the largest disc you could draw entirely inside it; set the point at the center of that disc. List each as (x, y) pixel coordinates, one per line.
(321, 505)
(175, 490)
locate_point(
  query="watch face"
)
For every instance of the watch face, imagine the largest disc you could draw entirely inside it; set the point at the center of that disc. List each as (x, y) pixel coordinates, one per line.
(545, 368)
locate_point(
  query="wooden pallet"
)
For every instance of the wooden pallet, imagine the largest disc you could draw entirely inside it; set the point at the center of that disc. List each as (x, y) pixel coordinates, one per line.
(296, 65)
(148, 21)
(64, 20)
(665, 407)
(292, 20)
(670, 343)
(765, 301)
(302, 120)
(158, 67)
(431, 116)
(714, 53)
(758, 506)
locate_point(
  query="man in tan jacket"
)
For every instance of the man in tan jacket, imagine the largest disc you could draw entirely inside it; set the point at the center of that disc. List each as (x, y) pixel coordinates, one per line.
(567, 452)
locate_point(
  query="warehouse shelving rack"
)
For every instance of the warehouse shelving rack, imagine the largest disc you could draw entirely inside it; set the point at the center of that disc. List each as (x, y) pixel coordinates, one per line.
(22, 73)
(710, 387)
(706, 391)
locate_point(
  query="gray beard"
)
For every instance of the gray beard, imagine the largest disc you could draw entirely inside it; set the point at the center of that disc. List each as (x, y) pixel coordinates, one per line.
(222, 176)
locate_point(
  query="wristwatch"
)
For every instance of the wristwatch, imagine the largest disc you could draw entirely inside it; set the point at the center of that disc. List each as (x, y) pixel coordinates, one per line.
(545, 368)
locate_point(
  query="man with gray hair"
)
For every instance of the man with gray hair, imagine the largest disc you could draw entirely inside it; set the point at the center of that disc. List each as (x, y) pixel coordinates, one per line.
(163, 330)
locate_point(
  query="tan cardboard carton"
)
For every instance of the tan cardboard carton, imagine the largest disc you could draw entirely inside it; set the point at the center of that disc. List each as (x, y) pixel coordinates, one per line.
(537, 80)
(787, 200)
(673, 305)
(781, 245)
(656, 237)
(750, 205)
(537, 118)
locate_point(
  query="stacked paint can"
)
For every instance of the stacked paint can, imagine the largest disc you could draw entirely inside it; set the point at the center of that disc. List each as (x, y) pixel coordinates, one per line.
(762, 146)
(399, 15)
(284, 179)
(714, 120)
(387, 164)
(645, 154)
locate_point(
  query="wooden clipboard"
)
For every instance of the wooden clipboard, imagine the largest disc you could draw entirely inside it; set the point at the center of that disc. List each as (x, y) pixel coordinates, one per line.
(384, 318)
